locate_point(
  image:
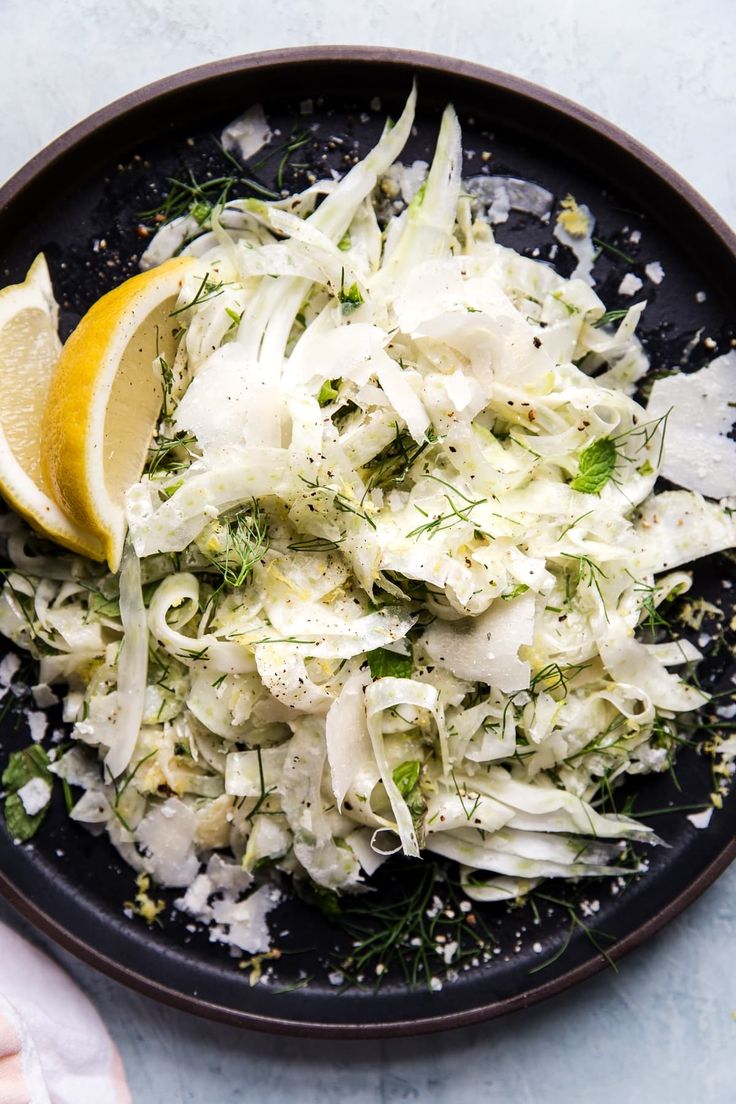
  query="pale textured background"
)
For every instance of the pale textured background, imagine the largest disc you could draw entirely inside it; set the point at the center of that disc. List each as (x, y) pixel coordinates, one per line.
(662, 1031)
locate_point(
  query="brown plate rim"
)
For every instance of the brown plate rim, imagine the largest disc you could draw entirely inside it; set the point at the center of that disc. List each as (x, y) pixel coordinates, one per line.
(418, 61)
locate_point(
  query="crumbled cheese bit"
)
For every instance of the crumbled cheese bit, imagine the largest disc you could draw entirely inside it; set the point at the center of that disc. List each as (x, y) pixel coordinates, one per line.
(635, 237)
(9, 667)
(537, 948)
(435, 984)
(37, 723)
(44, 696)
(630, 284)
(35, 795)
(701, 820)
(654, 272)
(700, 296)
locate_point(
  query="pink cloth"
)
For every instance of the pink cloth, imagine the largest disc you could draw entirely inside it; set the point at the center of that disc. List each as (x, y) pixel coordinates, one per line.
(54, 1048)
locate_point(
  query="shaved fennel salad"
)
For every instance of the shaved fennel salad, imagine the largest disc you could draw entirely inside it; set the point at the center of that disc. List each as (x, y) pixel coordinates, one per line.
(388, 564)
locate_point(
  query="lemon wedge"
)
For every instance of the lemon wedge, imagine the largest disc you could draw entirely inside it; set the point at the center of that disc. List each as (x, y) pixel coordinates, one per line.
(105, 398)
(29, 350)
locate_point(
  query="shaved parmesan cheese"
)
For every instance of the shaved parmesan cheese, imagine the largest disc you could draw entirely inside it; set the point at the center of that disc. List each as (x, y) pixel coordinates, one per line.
(243, 923)
(701, 820)
(167, 836)
(250, 413)
(698, 454)
(501, 194)
(486, 648)
(677, 527)
(247, 134)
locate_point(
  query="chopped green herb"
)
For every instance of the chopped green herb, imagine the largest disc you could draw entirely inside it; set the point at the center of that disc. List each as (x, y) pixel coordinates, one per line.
(596, 466)
(406, 776)
(611, 316)
(350, 298)
(235, 543)
(393, 463)
(328, 392)
(385, 664)
(520, 588)
(23, 766)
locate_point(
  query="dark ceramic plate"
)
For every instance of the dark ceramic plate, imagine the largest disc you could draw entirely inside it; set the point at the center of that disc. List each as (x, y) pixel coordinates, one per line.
(80, 201)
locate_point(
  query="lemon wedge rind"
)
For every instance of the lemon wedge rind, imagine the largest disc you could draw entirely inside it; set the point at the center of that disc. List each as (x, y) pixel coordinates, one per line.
(29, 350)
(105, 399)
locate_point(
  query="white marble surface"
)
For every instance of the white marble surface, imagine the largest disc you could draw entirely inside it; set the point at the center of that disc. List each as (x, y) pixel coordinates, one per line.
(663, 1029)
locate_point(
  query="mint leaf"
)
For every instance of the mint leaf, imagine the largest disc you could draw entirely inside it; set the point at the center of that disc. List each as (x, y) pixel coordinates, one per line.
(20, 825)
(385, 664)
(406, 776)
(31, 762)
(596, 465)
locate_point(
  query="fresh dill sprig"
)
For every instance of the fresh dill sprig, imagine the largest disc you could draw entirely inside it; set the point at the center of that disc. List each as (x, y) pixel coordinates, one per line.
(553, 677)
(392, 464)
(341, 502)
(613, 249)
(191, 197)
(445, 521)
(463, 795)
(598, 746)
(169, 454)
(611, 316)
(588, 572)
(314, 544)
(593, 935)
(265, 793)
(423, 934)
(295, 142)
(208, 289)
(235, 543)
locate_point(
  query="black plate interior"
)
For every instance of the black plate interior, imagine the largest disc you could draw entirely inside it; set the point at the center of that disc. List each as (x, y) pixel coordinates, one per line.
(81, 204)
